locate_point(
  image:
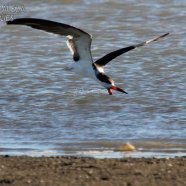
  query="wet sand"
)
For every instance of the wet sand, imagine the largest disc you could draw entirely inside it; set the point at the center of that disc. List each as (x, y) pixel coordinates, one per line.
(67, 171)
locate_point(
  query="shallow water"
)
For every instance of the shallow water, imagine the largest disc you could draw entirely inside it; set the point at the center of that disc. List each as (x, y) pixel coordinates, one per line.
(46, 108)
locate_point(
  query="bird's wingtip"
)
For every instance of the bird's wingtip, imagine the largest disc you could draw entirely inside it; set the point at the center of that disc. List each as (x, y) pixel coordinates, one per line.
(166, 34)
(8, 22)
(11, 21)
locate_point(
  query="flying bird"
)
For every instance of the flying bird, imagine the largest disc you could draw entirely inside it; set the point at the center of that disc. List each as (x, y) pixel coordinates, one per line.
(79, 43)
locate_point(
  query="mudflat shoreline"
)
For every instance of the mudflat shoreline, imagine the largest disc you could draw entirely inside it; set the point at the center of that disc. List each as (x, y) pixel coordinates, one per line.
(81, 171)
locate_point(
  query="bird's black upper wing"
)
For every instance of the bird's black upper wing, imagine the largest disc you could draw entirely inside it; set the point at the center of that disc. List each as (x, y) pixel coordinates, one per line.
(49, 26)
(79, 41)
(110, 56)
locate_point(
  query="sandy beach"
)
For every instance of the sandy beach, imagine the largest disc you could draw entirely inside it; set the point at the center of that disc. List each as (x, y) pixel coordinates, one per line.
(79, 171)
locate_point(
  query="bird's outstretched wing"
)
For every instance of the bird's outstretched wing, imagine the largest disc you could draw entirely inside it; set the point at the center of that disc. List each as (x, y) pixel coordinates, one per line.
(79, 41)
(110, 56)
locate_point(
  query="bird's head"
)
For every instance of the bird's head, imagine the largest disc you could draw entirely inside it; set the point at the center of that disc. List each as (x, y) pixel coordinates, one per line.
(108, 82)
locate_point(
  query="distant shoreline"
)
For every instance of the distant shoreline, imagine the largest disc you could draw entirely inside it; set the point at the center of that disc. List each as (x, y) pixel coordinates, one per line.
(79, 171)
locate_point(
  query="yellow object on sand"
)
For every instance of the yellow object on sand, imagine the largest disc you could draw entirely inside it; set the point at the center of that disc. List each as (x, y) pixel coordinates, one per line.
(127, 147)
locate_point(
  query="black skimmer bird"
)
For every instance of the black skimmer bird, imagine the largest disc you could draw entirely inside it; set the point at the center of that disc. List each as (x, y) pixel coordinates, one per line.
(79, 43)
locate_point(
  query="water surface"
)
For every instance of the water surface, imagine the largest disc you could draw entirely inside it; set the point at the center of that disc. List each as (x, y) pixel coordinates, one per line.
(46, 108)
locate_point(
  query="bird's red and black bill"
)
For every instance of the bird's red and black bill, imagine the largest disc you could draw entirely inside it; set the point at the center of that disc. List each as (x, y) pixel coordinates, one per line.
(115, 88)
